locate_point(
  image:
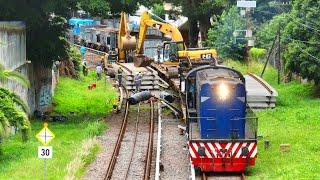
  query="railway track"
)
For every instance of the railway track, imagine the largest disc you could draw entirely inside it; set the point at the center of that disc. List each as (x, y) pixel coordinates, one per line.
(137, 139)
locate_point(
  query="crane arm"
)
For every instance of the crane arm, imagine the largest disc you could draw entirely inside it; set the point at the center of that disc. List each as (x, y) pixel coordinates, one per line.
(150, 20)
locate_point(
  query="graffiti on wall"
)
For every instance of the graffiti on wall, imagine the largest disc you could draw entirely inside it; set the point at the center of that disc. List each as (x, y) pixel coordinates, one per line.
(45, 97)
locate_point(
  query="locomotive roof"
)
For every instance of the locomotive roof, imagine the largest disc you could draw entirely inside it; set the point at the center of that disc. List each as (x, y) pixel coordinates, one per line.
(215, 71)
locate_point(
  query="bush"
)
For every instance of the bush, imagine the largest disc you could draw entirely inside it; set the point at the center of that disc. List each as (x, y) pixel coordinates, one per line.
(257, 53)
(12, 114)
(302, 40)
(75, 57)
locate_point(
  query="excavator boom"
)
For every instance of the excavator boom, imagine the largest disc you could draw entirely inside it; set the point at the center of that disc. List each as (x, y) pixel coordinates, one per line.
(125, 40)
(151, 20)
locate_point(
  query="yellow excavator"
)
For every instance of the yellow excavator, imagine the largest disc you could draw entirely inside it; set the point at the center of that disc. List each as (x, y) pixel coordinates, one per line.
(175, 52)
(126, 42)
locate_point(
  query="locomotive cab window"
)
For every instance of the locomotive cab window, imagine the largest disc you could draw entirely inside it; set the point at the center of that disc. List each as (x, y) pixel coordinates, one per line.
(191, 92)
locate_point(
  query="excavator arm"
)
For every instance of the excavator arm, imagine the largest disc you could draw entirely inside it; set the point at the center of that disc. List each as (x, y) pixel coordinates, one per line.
(125, 40)
(150, 20)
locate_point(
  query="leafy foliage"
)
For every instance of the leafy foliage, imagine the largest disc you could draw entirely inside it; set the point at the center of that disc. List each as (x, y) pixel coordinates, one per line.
(158, 9)
(13, 109)
(200, 12)
(257, 53)
(302, 38)
(6, 74)
(75, 57)
(45, 22)
(220, 36)
(99, 8)
(11, 114)
(267, 9)
(267, 31)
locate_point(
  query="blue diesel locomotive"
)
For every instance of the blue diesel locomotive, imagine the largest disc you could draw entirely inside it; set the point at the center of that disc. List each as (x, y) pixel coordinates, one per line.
(221, 129)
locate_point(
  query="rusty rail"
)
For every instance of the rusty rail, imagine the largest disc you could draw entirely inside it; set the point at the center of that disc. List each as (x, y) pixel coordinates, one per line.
(117, 147)
(135, 141)
(147, 168)
(261, 82)
(125, 67)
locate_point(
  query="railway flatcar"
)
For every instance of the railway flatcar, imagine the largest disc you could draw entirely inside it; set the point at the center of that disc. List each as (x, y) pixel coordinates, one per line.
(221, 128)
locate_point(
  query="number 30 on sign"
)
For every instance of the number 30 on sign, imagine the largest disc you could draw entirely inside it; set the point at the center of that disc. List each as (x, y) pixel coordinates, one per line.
(45, 152)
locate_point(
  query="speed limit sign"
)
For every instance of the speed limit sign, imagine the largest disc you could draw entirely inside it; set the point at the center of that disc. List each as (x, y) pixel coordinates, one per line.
(45, 152)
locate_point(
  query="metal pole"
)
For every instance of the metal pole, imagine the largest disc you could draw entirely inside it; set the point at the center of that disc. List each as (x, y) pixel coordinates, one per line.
(279, 54)
(45, 169)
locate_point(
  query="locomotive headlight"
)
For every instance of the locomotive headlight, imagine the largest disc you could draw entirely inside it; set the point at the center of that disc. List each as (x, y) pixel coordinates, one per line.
(223, 91)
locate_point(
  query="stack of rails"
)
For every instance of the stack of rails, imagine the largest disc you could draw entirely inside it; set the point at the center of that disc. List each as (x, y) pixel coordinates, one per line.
(260, 95)
(150, 78)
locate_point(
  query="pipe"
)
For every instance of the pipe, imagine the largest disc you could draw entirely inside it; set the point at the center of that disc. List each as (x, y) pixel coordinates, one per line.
(138, 97)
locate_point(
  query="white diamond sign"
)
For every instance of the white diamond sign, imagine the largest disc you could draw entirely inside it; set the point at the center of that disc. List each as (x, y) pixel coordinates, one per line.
(45, 135)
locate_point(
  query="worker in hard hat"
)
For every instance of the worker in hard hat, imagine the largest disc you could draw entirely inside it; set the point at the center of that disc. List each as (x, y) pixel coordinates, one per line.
(120, 71)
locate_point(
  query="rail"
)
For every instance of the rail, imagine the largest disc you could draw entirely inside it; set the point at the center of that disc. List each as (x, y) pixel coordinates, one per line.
(148, 163)
(116, 150)
(157, 174)
(124, 67)
(135, 140)
(262, 83)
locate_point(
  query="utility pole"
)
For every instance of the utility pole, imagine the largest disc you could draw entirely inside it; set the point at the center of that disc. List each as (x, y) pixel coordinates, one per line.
(248, 6)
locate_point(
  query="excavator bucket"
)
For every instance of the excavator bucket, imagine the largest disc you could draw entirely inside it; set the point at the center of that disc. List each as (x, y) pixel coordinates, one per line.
(128, 43)
(141, 60)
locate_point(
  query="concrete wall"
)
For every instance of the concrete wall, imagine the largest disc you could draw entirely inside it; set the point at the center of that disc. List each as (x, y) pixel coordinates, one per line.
(13, 54)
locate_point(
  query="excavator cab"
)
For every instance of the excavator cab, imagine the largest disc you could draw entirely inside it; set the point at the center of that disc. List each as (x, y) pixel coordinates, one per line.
(170, 51)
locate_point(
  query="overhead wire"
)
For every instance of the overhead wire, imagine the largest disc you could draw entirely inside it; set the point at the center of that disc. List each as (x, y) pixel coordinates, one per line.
(316, 30)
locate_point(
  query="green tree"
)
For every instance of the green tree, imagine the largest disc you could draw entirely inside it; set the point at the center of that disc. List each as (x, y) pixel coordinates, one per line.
(45, 26)
(201, 11)
(302, 37)
(221, 35)
(267, 31)
(267, 9)
(99, 8)
(158, 9)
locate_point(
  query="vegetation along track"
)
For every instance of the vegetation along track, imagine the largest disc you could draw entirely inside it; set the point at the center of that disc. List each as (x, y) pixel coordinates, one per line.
(132, 155)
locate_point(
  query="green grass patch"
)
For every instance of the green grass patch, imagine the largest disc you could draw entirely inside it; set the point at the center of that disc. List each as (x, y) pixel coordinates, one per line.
(295, 121)
(73, 96)
(95, 128)
(84, 109)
